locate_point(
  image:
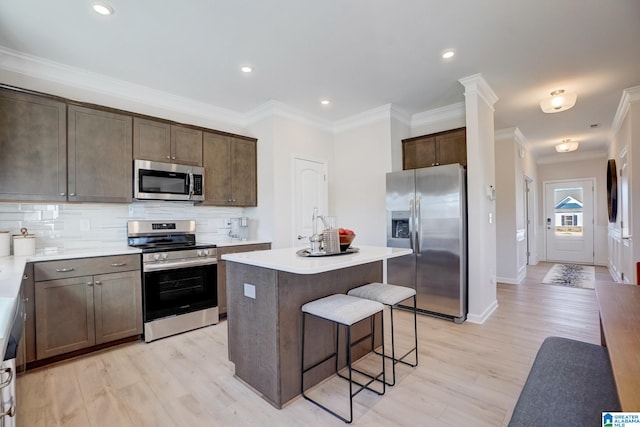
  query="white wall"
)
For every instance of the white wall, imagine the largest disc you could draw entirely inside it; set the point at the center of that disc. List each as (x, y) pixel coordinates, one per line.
(362, 157)
(280, 139)
(623, 254)
(510, 208)
(574, 168)
(479, 100)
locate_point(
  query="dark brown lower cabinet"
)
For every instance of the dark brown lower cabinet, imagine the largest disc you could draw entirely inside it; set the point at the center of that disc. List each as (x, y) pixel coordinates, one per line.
(75, 313)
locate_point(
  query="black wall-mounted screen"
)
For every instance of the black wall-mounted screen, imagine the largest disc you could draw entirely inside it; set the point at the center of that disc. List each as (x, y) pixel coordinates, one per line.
(612, 190)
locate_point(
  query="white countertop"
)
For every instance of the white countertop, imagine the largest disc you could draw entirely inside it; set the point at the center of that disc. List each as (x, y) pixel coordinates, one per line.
(286, 259)
(238, 243)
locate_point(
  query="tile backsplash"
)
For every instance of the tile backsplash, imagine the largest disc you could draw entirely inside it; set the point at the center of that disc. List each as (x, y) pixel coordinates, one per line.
(90, 225)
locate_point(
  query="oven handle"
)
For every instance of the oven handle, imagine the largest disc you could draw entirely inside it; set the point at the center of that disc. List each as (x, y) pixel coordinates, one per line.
(181, 263)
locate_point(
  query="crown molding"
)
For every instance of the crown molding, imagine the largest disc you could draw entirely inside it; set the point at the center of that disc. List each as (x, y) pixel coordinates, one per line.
(280, 109)
(43, 69)
(384, 112)
(438, 115)
(571, 157)
(629, 96)
(511, 134)
(476, 84)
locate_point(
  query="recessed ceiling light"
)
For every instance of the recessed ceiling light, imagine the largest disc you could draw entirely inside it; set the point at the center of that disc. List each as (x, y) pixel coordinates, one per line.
(246, 69)
(325, 102)
(103, 9)
(448, 54)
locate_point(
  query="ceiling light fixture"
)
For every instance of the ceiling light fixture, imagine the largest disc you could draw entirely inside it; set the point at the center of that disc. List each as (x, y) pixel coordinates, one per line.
(325, 102)
(448, 54)
(103, 9)
(558, 101)
(246, 69)
(566, 146)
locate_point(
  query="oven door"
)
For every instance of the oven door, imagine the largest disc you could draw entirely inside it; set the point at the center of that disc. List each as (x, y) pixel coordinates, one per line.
(179, 291)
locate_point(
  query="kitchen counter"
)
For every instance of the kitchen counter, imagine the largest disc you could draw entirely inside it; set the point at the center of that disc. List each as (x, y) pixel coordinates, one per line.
(287, 260)
(12, 269)
(265, 292)
(239, 243)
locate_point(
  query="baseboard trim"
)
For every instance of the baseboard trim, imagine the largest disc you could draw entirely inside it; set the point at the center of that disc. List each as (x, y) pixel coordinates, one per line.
(481, 318)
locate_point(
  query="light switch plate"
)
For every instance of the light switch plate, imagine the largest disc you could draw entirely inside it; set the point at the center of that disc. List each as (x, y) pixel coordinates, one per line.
(250, 290)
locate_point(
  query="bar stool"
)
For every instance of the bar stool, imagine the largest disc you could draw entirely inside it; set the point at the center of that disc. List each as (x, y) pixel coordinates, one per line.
(391, 295)
(346, 311)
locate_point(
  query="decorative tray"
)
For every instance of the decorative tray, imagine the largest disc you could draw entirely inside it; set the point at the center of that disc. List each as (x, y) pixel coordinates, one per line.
(307, 252)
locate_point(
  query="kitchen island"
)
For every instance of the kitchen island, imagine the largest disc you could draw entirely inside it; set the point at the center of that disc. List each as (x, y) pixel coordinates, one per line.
(266, 290)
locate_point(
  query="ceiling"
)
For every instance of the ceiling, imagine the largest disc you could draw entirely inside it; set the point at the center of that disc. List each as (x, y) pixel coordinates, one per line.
(359, 54)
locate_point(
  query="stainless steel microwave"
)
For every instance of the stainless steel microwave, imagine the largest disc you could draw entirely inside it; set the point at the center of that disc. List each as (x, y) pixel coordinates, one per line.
(167, 181)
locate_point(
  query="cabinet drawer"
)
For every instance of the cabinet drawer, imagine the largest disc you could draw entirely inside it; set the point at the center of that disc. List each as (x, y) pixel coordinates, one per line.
(61, 269)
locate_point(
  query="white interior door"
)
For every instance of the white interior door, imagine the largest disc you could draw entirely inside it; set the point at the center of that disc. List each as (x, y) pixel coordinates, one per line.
(569, 221)
(310, 191)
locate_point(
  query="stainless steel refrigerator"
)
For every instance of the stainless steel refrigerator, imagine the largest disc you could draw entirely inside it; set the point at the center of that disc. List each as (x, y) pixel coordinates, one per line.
(426, 211)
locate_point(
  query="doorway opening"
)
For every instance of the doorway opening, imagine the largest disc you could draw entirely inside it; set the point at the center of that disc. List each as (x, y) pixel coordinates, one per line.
(570, 222)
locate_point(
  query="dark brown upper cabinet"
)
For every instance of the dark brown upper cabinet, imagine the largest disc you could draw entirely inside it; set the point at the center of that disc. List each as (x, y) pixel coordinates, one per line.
(230, 170)
(163, 142)
(99, 156)
(33, 147)
(436, 149)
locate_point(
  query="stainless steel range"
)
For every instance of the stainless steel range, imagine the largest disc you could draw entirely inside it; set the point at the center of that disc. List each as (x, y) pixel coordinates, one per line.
(179, 277)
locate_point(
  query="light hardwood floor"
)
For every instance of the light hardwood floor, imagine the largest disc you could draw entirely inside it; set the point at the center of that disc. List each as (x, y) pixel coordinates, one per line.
(468, 374)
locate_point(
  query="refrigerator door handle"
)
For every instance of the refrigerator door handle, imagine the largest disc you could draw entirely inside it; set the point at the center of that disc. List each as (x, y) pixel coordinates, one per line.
(411, 222)
(418, 219)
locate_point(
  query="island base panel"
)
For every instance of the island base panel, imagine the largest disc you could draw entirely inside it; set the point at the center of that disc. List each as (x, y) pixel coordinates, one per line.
(265, 332)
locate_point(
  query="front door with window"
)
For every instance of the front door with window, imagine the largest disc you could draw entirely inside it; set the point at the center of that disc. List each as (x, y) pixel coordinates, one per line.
(569, 221)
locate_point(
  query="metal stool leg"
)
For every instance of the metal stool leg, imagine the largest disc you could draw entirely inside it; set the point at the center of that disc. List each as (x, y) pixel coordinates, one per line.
(349, 367)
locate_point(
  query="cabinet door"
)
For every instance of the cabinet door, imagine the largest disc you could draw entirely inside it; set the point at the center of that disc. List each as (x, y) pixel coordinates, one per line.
(452, 147)
(216, 152)
(64, 316)
(100, 156)
(418, 153)
(186, 146)
(222, 270)
(27, 346)
(33, 147)
(244, 191)
(118, 305)
(151, 140)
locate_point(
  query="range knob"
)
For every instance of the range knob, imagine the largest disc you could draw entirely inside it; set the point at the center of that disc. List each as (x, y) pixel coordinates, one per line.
(206, 252)
(156, 257)
(165, 256)
(200, 252)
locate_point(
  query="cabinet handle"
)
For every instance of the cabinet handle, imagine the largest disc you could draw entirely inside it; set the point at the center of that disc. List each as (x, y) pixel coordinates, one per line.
(72, 194)
(173, 158)
(11, 411)
(168, 157)
(89, 283)
(62, 194)
(25, 277)
(64, 270)
(118, 264)
(6, 382)
(98, 282)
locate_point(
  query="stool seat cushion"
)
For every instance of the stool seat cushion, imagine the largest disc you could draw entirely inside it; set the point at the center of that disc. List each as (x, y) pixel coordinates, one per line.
(383, 293)
(342, 309)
